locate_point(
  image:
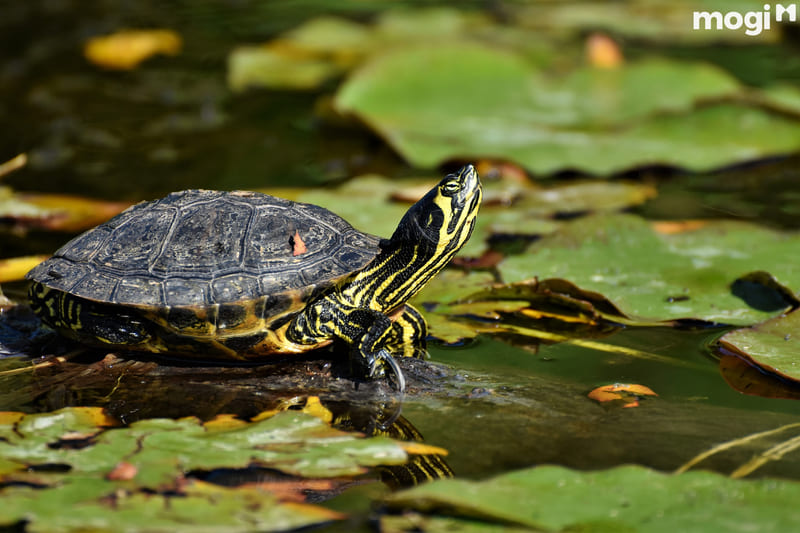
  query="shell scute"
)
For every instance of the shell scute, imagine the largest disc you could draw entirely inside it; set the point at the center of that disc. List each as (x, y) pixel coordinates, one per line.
(143, 288)
(204, 239)
(234, 287)
(186, 292)
(88, 244)
(135, 243)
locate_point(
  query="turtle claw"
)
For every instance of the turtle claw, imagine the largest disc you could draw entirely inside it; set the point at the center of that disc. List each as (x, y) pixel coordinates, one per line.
(374, 367)
(386, 357)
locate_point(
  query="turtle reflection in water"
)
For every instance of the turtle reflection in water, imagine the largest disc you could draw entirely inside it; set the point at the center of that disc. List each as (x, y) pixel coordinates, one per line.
(243, 275)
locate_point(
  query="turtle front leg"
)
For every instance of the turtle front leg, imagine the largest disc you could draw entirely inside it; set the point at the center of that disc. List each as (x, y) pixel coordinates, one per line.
(375, 338)
(384, 337)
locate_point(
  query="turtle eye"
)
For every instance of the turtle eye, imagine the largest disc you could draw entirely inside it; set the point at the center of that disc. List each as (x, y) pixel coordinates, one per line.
(451, 187)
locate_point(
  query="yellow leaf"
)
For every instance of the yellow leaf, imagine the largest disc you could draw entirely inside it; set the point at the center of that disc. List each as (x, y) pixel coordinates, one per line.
(15, 268)
(13, 164)
(72, 213)
(314, 407)
(9, 418)
(125, 49)
(224, 422)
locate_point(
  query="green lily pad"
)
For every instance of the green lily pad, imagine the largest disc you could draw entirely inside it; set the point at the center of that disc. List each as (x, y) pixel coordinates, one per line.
(629, 498)
(365, 202)
(137, 475)
(588, 196)
(261, 66)
(652, 276)
(773, 345)
(162, 449)
(325, 47)
(457, 101)
(784, 97)
(87, 504)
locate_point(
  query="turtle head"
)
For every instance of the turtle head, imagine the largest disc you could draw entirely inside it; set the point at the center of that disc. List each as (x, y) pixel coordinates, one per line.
(442, 220)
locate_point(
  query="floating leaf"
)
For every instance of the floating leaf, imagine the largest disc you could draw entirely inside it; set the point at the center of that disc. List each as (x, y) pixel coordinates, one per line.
(126, 49)
(596, 120)
(325, 47)
(625, 392)
(120, 470)
(15, 268)
(783, 97)
(271, 66)
(55, 211)
(650, 276)
(628, 498)
(773, 345)
(583, 197)
(83, 504)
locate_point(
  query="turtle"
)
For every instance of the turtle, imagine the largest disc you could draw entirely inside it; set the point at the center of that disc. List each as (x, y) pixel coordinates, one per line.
(242, 276)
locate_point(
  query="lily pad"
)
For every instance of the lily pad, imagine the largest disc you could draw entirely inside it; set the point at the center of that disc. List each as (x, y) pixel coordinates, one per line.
(773, 345)
(325, 47)
(82, 504)
(463, 100)
(163, 449)
(651, 276)
(629, 498)
(113, 476)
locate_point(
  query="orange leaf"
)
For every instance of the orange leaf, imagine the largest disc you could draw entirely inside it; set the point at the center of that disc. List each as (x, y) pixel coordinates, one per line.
(671, 227)
(602, 51)
(629, 393)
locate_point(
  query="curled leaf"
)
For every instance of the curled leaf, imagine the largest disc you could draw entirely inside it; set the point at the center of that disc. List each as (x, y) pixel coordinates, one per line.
(628, 393)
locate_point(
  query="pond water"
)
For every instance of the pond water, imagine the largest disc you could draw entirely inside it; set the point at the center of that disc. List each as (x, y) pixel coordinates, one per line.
(496, 405)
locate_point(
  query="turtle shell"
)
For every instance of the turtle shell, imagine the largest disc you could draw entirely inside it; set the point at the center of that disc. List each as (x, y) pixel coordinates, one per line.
(202, 252)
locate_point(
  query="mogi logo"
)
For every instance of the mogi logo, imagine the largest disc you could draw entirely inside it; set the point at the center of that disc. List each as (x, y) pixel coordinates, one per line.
(754, 21)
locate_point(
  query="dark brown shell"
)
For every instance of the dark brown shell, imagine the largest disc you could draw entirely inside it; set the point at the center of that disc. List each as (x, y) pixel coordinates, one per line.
(197, 248)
